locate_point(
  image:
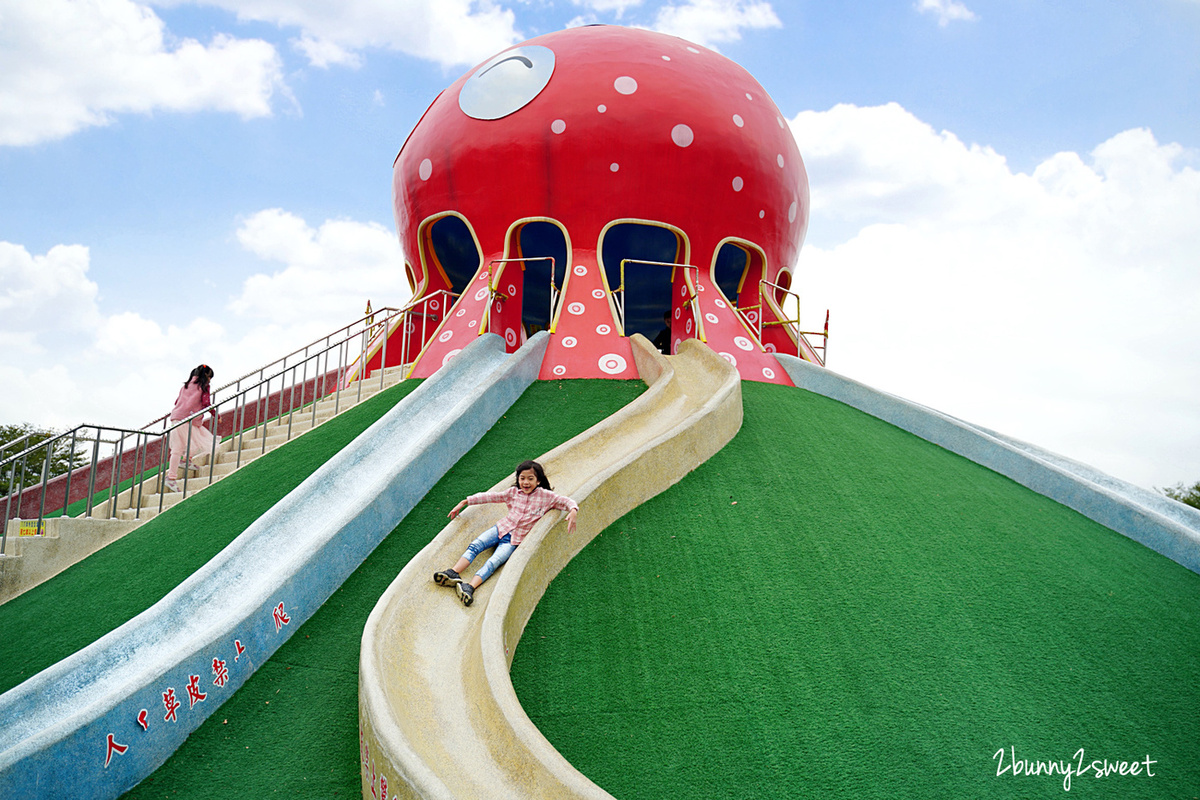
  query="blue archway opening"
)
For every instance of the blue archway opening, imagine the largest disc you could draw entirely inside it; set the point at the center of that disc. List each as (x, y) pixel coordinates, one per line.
(455, 251)
(542, 241)
(647, 286)
(729, 269)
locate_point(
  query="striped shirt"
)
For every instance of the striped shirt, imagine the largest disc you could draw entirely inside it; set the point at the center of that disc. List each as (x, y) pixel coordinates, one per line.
(523, 509)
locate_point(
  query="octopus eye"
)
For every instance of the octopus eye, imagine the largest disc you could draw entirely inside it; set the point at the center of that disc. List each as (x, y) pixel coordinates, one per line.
(507, 83)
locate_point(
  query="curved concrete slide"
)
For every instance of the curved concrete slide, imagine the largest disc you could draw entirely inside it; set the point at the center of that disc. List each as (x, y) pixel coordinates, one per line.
(438, 715)
(98, 722)
(1163, 525)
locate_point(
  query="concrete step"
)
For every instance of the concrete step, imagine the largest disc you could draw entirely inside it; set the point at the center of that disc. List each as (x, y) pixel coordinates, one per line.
(66, 542)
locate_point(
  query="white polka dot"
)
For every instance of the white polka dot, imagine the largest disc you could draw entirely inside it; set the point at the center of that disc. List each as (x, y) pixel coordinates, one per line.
(687, 328)
(449, 356)
(598, 294)
(743, 343)
(484, 277)
(737, 120)
(728, 357)
(510, 336)
(700, 288)
(719, 303)
(611, 364)
(678, 342)
(602, 108)
(569, 341)
(460, 312)
(770, 348)
(580, 269)
(780, 121)
(576, 308)
(614, 166)
(410, 326)
(749, 96)
(472, 323)
(762, 214)
(446, 336)
(425, 170)
(792, 211)
(666, 58)
(625, 85)
(693, 50)
(768, 373)
(678, 311)
(512, 290)
(558, 126)
(753, 317)
(603, 330)
(434, 305)
(738, 183)
(779, 160)
(560, 370)
(482, 293)
(682, 135)
(711, 318)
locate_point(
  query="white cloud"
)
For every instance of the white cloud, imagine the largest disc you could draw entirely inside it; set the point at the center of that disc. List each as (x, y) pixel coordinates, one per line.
(616, 7)
(947, 11)
(65, 66)
(1058, 306)
(33, 288)
(709, 22)
(73, 363)
(447, 32)
(329, 272)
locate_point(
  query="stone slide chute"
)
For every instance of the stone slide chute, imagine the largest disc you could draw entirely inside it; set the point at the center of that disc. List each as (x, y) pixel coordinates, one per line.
(438, 714)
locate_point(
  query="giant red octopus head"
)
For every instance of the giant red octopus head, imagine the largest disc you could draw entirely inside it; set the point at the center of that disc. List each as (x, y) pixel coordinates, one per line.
(589, 128)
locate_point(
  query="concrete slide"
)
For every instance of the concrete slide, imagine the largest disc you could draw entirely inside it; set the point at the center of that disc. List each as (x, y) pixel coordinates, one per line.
(438, 716)
(98, 722)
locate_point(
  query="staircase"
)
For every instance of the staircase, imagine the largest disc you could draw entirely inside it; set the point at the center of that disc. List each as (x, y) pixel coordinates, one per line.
(239, 450)
(31, 560)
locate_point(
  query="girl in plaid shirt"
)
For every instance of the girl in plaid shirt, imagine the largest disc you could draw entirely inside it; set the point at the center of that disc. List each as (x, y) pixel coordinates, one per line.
(527, 499)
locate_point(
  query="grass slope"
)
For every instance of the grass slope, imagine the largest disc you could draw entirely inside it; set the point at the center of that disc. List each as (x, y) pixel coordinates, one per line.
(831, 607)
(292, 729)
(79, 605)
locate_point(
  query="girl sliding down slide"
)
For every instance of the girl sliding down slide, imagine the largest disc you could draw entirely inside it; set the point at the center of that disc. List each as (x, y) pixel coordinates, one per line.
(527, 499)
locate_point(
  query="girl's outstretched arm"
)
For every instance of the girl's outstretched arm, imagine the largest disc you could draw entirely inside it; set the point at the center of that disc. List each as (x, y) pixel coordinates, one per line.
(571, 519)
(458, 508)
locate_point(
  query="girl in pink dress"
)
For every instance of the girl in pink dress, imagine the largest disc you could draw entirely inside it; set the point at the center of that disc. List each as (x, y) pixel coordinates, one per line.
(193, 397)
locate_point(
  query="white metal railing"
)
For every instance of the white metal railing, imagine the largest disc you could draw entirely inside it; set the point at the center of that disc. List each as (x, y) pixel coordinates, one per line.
(289, 386)
(425, 313)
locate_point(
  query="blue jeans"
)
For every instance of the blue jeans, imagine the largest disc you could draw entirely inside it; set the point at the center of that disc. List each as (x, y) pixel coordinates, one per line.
(486, 541)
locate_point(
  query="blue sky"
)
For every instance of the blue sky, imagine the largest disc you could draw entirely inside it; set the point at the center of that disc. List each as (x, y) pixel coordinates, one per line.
(1005, 194)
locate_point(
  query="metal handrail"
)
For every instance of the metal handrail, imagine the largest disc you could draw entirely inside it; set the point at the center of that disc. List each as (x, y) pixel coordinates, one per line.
(420, 308)
(8, 445)
(762, 296)
(274, 388)
(693, 300)
(494, 287)
(365, 321)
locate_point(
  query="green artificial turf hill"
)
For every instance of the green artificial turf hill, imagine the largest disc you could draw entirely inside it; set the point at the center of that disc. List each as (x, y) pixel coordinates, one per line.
(292, 729)
(833, 608)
